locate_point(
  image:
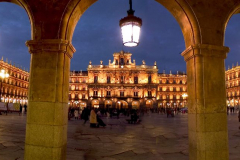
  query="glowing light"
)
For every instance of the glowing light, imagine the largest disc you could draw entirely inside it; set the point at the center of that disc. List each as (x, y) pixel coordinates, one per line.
(131, 27)
(184, 95)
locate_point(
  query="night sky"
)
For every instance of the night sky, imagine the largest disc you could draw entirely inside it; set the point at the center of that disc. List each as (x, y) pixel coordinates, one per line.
(98, 35)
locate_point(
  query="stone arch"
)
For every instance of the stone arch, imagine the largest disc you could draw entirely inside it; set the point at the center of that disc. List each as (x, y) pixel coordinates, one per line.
(108, 104)
(160, 104)
(135, 104)
(181, 11)
(121, 104)
(83, 104)
(149, 103)
(95, 103)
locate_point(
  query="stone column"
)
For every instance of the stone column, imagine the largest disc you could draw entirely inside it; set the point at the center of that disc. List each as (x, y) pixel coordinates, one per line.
(207, 117)
(47, 116)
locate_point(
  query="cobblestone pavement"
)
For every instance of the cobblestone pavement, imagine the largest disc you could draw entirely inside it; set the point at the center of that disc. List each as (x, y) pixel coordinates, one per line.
(155, 138)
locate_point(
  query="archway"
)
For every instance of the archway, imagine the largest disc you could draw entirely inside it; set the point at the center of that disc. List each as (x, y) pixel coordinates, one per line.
(108, 104)
(121, 104)
(135, 104)
(203, 34)
(160, 104)
(149, 103)
(232, 61)
(83, 104)
(95, 103)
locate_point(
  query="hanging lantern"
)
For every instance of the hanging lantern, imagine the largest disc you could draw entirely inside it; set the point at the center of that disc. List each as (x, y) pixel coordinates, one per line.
(131, 27)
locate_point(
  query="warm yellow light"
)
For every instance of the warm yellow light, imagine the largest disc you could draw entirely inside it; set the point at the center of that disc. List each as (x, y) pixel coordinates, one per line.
(184, 95)
(130, 34)
(3, 74)
(130, 26)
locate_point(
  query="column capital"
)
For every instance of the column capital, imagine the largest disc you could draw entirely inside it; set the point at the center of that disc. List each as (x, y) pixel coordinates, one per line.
(51, 45)
(205, 50)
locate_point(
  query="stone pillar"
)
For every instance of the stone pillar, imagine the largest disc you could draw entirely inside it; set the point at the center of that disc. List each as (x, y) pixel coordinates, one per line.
(47, 116)
(207, 117)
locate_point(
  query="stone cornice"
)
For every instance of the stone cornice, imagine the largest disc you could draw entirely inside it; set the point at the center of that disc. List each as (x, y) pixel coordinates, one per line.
(51, 45)
(200, 50)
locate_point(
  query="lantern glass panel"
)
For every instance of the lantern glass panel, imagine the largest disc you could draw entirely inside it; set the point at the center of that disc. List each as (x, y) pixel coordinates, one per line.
(127, 33)
(130, 34)
(136, 33)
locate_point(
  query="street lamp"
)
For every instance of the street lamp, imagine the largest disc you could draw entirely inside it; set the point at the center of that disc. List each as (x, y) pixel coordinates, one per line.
(130, 26)
(3, 75)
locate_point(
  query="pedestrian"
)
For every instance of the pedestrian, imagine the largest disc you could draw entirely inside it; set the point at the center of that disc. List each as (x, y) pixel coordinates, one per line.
(85, 115)
(20, 110)
(76, 114)
(93, 118)
(25, 108)
(168, 112)
(239, 116)
(100, 122)
(108, 114)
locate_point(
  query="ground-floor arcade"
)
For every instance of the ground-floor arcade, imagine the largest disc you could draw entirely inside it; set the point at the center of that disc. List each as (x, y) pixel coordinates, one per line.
(126, 103)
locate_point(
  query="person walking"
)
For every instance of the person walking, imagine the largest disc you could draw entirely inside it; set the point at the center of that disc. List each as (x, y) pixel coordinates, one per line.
(100, 122)
(25, 108)
(85, 115)
(76, 114)
(239, 117)
(20, 110)
(93, 118)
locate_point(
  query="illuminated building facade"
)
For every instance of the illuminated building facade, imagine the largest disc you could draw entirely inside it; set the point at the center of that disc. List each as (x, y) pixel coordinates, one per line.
(233, 86)
(123, 84)
(14, 89)
(171, 90)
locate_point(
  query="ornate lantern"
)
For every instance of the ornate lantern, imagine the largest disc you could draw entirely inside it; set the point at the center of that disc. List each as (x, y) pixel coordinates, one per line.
(130, 27)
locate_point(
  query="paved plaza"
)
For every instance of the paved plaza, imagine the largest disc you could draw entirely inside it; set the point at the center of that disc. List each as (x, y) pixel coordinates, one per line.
(155, 138)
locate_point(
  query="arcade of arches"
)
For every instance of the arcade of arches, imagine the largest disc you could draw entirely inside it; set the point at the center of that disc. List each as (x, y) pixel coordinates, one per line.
(203, 24)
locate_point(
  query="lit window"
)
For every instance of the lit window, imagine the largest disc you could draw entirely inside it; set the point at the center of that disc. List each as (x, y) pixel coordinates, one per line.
(121, 94)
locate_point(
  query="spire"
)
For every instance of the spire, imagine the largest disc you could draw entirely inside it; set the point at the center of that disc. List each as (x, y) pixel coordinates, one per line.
(237, 63)
(170, 72)
(232, 65)
(228, 67)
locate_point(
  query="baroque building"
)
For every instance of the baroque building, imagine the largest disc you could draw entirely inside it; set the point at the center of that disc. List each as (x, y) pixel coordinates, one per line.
(233, 86)
(14, 89)
(123, 84)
